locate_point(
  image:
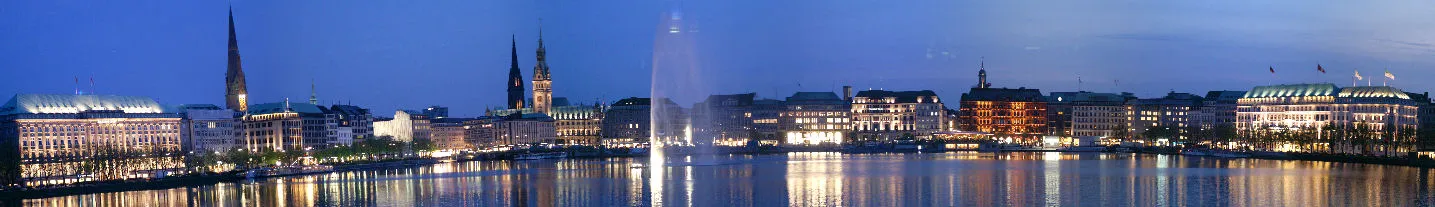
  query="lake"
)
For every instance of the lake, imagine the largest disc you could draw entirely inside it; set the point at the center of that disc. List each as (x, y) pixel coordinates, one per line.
(823, 179)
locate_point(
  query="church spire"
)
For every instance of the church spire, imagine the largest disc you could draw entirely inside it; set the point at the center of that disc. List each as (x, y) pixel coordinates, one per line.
(515, 80)
(236, 92)
(313, 95)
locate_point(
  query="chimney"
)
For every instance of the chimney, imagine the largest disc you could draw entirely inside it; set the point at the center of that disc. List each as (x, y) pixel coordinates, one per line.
(847, 93)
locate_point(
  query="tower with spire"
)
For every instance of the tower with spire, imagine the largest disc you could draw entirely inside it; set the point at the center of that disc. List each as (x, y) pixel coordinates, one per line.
(236, 93)
(313, 94)
(515, 81)
(982, 75)
(542, 82)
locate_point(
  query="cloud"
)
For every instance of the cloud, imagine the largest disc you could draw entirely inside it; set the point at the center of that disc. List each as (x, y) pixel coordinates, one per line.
(1147, 37)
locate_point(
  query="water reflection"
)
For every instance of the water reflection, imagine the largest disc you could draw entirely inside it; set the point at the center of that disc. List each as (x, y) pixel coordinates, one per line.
(823, 179)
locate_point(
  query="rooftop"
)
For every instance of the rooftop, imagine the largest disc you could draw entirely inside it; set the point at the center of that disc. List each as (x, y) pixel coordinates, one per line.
(1004, 94)
(902, 96)
(1293, 90)
(277, 107)
(69, 104)
(814, 96)
(1372, 92)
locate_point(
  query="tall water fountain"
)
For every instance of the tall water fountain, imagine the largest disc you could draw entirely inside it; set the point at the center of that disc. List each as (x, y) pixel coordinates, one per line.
(676, 77)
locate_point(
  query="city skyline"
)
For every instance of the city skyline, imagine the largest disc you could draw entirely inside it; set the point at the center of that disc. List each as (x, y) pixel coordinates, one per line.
(453, 56)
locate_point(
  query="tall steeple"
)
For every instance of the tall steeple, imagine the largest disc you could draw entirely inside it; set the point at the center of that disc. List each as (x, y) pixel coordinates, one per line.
(515, 81)
(982, 75)
(313, 95)
(236, 93)
(542, 82)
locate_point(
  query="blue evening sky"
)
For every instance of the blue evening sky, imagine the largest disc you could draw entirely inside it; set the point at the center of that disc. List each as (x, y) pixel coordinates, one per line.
(391, 54)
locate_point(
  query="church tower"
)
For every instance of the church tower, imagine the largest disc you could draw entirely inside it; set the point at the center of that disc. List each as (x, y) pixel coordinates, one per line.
(236, 93)
(515, 81)
(542, 83)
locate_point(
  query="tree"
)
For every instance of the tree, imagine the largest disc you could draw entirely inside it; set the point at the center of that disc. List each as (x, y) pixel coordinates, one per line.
(424, 145)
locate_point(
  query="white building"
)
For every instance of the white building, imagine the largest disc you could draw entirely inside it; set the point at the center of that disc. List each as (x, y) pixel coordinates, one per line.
(406, 126)
(1367, 120)
(813, 118)
(879, 115)
(208, 128)
(50, 139)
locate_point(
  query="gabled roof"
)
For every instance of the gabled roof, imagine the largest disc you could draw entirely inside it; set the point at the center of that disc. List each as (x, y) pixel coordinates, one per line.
(59, 104)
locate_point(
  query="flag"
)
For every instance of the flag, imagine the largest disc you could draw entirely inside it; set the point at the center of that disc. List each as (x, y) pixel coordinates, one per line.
(1273, 70)
(1357, 75)
(1318, 68)
(1388, 75)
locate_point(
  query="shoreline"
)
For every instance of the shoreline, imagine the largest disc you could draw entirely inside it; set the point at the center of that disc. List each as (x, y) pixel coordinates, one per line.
(7, 196)
(209, 179)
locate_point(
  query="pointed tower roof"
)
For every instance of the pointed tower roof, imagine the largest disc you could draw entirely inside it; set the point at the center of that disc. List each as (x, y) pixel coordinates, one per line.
(236, 91)
(540, 71)
(313, 94)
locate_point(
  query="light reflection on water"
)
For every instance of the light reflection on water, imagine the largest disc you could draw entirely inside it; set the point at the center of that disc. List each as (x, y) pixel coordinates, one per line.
(823, 179)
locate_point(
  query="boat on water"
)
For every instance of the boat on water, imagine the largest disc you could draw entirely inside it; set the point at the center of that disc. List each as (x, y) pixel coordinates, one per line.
(286, 171)
(542, 156)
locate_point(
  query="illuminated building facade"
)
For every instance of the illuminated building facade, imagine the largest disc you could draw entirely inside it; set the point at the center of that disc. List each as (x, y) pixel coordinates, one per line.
(629, 121)
(511, 130)
(526, 129)
(1218, 110)
(1060, 108)
(1090, 114)
(879, 115)
(577, 124)
(481, 132)
(236, 92)
(1168, 118)
(288, 126)
(406, 126)
(1366, 120)
(62, 139)
(208, 128)
(1018, 114)
(765, 114)
(436, 112)
(357, 121)
(814, 118)
(450, 133)
(723, 120)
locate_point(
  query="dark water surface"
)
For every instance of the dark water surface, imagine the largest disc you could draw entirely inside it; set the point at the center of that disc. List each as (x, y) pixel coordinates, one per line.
(823, 179)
